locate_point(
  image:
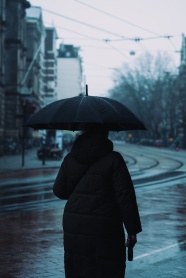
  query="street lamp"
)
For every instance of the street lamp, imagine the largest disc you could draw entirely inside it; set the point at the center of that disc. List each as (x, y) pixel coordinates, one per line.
(23, 133)
(22, 117)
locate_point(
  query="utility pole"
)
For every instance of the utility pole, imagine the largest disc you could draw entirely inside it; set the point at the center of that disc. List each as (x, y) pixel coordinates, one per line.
(23, 101)
(23, 133)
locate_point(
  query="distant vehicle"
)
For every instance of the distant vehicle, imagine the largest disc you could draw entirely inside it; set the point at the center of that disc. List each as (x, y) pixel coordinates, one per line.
(146, 142)
(158, 143)
(51, 152)
(10, 147)
(68, 141)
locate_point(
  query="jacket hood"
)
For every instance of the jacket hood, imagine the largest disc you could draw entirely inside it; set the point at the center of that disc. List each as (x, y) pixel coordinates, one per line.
(89, 147)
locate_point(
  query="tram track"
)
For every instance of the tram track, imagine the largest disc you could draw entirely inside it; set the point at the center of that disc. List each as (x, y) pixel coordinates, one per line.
(151, 161)
(163, 170)
(161, 160)
(150, 169)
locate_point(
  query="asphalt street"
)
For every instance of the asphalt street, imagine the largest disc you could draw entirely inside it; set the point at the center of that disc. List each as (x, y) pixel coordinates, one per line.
(31, 237)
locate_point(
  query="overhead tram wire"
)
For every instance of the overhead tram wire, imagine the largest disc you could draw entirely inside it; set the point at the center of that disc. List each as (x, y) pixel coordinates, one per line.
(118, 40)
(104, 40)
(110, 40)
(85, 24)
(103, 30)
(100, 40)
(173, 45)
(120, 52)
(114, 40)
(138, 42)
(127, 22)
(77, 33)
(118, 18)
(106, 31)
(139, 38)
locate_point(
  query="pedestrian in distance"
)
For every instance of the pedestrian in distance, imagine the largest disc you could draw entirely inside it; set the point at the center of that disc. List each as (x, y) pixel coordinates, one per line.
(177, 147)
(101, 205)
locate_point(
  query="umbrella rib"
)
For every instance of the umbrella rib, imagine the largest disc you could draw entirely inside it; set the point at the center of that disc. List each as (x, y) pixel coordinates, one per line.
(79, 107)
(109, 105)
(77, 112)
(104, 99)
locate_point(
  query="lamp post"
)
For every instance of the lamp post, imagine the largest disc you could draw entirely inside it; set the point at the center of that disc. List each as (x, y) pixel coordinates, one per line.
(44, 150)
(22, 117)
(23, 133)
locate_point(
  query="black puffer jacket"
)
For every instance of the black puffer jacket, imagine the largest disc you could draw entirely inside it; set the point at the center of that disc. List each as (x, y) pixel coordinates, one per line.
(101, 198)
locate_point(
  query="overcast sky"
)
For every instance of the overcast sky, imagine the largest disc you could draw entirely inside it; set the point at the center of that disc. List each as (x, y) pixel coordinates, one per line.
(108, 30)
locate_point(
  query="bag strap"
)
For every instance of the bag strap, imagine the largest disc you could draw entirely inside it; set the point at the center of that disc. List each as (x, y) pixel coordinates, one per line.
(87, 170)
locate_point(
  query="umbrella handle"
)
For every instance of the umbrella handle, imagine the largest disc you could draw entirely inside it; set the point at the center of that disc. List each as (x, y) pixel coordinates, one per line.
(86, 90)
(130, 254)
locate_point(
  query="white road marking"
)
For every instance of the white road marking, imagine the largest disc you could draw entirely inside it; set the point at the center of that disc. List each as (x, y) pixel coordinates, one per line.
(159, 250)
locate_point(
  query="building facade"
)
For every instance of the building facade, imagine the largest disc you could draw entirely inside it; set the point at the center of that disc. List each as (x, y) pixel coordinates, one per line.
(2, 69)
(22, 50)
(182, 92)
(50, 66)
(35, 56)
(69, 72)
(14, 66)
(33, 73)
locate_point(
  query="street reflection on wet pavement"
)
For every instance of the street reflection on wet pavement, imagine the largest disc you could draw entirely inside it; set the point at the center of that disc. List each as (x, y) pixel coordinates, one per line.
(163, 219)
(31, 244)
(32, 240)
(31, 237)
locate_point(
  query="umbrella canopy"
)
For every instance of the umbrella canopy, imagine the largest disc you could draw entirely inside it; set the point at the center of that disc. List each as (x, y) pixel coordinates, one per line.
(82, 112)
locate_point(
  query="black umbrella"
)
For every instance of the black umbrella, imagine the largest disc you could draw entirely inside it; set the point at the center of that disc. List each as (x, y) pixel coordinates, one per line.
(82, 112)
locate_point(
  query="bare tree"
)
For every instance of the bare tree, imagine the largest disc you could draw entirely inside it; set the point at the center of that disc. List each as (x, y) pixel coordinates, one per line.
(149, 90)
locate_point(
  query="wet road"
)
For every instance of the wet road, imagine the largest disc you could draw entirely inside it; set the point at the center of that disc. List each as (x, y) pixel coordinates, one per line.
(31, 233)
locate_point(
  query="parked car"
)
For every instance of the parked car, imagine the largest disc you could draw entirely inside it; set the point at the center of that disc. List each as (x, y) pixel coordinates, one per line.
(51, 152)
(10, 147)
(146, 142)
(158, 143)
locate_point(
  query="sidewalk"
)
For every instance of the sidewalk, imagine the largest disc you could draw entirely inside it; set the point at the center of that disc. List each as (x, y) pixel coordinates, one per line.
(168, 268)
(11, 165)
(32, 247)
(32, 241)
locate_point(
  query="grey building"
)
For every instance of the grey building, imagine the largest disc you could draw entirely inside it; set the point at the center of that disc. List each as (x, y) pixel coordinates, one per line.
(182, 93)
(35, 37)
(2, 69)
(28, 72)
(69, 71)
(14, 66)
(50, 66)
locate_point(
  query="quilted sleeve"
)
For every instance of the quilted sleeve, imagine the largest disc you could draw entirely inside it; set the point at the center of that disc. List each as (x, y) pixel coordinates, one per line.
(125, 197)
(60, 184)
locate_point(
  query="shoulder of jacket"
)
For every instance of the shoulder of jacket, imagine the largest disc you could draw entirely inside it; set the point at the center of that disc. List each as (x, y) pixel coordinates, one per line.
(116, 158)
(67, 159)
(116, 155)
(118, 162)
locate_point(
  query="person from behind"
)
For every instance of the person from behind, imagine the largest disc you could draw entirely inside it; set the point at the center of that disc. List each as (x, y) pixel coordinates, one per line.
(101, 205)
